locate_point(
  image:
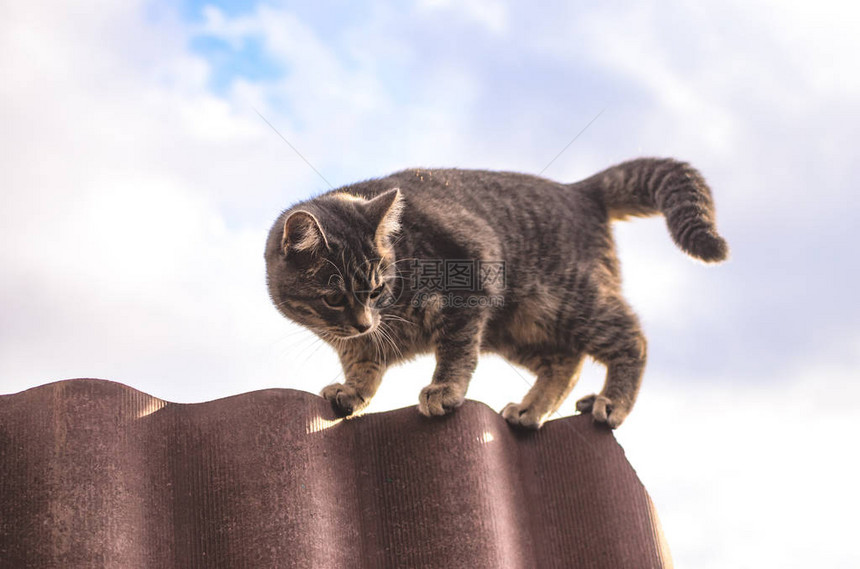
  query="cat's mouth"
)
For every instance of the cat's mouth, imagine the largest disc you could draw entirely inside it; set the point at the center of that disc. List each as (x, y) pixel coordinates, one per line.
(354, 333)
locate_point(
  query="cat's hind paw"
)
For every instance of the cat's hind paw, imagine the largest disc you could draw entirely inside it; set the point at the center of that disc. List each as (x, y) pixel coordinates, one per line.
(603, 410)
(523, 416)
(440, 399)
(345, 399)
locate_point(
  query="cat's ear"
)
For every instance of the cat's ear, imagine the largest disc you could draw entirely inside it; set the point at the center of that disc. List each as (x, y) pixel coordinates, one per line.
(303, 233)
(384, 210)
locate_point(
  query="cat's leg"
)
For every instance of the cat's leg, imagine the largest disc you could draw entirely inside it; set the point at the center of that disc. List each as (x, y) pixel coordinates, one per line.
(363, 370)
(458, 341)
(556, 376)
(616, 340)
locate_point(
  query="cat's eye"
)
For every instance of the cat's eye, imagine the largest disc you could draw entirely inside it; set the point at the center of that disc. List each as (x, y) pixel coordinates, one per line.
(335, 299)
(377, 292)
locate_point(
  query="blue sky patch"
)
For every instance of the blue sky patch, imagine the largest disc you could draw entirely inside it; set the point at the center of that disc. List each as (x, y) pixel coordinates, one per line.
(249, 61)
(192, 10)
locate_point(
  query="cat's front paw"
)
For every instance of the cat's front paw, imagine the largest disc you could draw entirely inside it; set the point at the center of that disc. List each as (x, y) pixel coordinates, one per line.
(604, 409)
(345, 399)
(440, 398)
(523, 416)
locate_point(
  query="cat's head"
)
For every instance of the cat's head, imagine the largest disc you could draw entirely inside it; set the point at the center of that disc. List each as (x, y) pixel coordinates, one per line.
(330, 262)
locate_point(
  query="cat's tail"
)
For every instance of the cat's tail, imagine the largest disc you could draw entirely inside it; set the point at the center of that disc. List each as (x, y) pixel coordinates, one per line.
(649, 186)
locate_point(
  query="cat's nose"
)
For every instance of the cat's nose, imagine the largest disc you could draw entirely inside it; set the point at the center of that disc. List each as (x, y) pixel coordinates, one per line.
(362, 328)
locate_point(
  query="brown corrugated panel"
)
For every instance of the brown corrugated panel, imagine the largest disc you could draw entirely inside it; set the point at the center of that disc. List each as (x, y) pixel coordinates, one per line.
(96, 474)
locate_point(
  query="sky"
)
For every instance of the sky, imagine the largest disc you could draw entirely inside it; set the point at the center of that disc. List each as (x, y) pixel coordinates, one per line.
(140, 181)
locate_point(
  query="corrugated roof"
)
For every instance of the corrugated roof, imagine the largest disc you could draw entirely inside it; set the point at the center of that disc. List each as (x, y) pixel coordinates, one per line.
(96, 474)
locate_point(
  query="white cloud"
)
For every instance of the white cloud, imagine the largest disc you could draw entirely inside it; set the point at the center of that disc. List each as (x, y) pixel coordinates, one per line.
(740, 87)
(490, 14)
(752, 475)
(121, 172)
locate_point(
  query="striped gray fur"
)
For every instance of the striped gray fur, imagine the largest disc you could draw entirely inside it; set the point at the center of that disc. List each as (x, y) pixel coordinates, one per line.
(343, 264)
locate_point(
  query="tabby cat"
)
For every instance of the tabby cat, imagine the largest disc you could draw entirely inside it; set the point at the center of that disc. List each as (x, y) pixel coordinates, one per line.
(456, 262)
